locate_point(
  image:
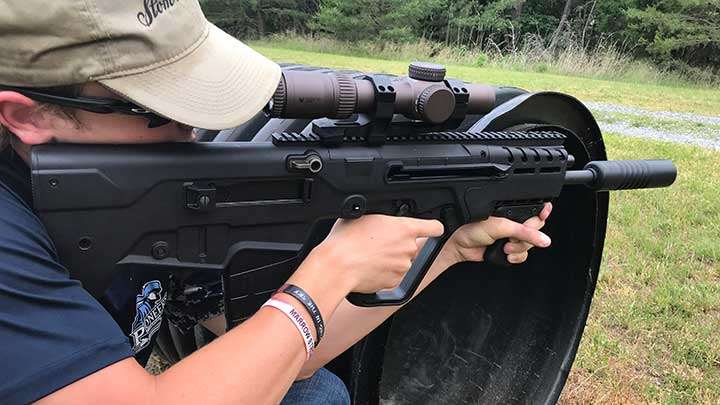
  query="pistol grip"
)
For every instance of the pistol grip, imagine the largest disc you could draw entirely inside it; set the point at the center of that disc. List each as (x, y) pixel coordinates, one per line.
(494, 253)
(403, 292)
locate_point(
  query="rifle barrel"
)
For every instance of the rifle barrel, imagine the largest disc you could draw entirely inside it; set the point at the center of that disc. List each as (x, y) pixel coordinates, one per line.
(606, 175)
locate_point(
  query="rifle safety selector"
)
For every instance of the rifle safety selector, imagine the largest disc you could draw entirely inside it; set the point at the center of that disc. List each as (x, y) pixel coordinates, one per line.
(200, 197)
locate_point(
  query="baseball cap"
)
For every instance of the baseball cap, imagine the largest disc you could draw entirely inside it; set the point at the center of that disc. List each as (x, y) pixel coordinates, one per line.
(160, 54)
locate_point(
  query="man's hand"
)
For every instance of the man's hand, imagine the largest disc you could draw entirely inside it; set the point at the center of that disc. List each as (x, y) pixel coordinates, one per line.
(371, 253)
(469, 242)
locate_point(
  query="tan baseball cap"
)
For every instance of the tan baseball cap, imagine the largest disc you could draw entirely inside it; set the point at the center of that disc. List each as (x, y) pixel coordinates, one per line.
(161, 54)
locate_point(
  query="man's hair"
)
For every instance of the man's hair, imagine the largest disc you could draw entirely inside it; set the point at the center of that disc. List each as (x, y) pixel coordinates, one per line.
(7, 137)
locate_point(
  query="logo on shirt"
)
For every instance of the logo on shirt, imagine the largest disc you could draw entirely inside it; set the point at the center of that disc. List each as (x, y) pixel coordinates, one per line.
(149, 305)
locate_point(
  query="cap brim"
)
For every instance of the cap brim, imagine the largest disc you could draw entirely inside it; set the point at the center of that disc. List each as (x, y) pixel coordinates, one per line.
(220, 84)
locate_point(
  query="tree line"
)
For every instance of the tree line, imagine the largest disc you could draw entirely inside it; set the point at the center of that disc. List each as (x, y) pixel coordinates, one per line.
(676, 34)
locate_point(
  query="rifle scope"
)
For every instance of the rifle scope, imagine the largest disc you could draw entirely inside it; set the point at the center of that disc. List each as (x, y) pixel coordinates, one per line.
(424, 95)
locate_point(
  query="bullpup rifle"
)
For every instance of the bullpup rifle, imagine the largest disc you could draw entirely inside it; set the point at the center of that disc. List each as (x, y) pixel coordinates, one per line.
(247, 211)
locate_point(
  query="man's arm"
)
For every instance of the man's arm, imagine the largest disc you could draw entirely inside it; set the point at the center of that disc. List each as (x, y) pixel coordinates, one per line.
(350, 323)
(255, 363)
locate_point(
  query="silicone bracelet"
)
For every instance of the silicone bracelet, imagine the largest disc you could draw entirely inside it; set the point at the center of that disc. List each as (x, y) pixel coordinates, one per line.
(312, 308)
(297, 320)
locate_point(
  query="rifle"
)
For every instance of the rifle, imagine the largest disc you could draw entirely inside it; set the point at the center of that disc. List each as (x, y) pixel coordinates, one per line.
(250, 211)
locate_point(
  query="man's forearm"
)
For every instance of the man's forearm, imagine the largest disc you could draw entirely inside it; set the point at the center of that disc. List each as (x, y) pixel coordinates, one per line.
(255, 363)
(350, 323)
(264, 373)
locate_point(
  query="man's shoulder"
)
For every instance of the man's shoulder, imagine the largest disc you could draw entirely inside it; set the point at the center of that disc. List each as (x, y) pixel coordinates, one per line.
(12, 201)
(53, 331)
(20, 227)
(15, 181)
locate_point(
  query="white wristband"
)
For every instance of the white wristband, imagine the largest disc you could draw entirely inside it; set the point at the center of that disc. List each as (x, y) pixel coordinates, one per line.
(297, 320)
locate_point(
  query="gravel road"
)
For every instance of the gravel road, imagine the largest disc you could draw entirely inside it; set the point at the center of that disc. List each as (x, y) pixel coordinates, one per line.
(693, 129)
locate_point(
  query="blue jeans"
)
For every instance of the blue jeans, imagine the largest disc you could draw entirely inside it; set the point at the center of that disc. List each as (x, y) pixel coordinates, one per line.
(323, 388)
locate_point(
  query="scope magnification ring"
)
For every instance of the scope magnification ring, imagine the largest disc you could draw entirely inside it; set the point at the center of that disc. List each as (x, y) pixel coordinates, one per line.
(279, 99)
(347, 96)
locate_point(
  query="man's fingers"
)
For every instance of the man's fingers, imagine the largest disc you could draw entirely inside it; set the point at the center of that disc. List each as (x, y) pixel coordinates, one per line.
(517, 257)
(534, 222)
(545, 213)
(537, 222)
(516, 247)
(426, 227)
(520, 232)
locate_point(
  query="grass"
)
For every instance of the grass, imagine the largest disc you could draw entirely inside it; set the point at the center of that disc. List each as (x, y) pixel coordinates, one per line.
(604, 60)
(648, 96)
(652, 334)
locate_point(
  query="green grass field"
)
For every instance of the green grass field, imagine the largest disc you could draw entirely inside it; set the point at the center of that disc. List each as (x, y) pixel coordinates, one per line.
(654, 329)
(652, 334)
(651, 97)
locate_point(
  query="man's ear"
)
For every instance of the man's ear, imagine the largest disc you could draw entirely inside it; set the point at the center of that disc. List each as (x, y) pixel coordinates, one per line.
(20, 115)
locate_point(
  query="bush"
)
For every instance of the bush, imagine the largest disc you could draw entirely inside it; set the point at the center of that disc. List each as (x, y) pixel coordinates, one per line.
(481, 60)
(606, 60)
(541, 67)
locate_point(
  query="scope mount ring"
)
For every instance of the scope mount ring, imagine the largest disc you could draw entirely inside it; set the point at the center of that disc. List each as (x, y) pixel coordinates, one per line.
(384, 107)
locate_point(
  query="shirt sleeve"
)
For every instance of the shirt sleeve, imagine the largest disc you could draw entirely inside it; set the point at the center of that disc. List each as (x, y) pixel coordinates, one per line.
(53, 332)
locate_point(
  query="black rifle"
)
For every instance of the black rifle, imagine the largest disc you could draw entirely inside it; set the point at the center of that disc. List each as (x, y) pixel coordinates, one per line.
(248, 210)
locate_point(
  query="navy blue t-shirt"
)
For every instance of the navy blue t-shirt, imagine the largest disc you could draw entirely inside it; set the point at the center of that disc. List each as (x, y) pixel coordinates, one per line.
(52, 331)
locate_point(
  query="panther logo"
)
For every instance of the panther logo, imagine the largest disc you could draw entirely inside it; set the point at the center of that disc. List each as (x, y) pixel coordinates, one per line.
(149, 306)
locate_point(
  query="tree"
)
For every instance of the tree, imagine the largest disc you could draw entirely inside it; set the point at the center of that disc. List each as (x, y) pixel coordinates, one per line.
(563, 20)
(251, 18)
(677, 34)
(674, 30)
